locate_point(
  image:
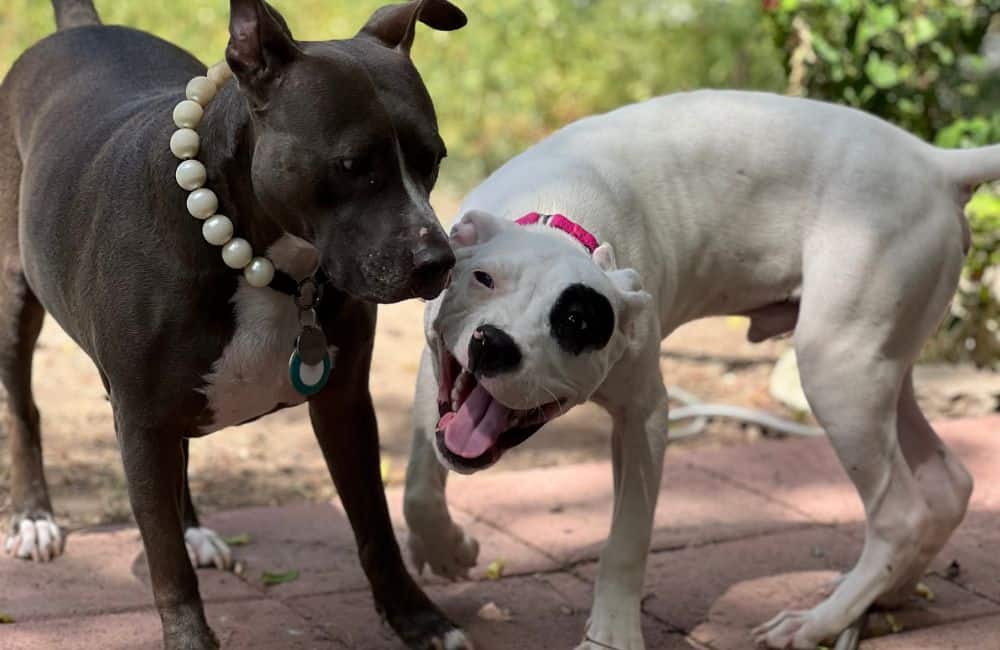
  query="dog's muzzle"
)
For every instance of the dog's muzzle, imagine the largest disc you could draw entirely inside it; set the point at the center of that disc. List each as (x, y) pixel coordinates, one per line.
(475, 428)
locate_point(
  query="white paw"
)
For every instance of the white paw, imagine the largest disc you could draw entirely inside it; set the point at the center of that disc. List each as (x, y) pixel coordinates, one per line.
(450, 553)
(34, 538)
(454, 640)
(625, 635)
(593, 644)
(796, 629)
(206, 549)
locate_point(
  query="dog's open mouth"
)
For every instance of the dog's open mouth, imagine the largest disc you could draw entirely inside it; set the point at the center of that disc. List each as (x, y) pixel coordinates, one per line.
(475, 428)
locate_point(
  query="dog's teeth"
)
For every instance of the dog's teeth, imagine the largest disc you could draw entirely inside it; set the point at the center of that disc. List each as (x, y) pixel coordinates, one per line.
(461, 389)
(456, 391)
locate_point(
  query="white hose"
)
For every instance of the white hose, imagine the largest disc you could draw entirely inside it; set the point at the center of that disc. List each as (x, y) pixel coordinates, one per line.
(698, 411)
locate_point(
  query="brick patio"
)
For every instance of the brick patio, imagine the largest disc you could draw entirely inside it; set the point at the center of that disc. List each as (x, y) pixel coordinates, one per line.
(740, 533)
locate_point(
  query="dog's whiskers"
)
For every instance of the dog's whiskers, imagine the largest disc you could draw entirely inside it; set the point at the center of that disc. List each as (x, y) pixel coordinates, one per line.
(554, 399)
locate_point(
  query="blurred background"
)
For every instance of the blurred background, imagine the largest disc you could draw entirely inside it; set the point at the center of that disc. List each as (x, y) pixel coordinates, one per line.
(521, 69)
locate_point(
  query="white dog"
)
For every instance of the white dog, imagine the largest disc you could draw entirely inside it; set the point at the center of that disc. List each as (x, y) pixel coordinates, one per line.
(804, 216)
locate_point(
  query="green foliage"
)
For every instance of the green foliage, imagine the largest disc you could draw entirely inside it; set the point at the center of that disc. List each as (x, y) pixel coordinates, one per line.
(521, 69)
(916, 63)
(972, 328)
(527, 67)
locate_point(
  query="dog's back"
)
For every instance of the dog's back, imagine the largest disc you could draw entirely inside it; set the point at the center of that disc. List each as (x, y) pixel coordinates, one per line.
(90, 77)
(68, 102)
(696, 171)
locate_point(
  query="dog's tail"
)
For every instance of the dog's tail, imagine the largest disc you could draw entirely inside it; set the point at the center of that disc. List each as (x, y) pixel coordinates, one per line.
(75, 13)
(970, 167)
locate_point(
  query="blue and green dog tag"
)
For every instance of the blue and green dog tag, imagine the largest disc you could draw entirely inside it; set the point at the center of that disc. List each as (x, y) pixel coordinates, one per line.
(311, 362)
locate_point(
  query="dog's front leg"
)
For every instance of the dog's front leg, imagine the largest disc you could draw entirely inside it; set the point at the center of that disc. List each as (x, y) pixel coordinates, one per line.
(343, 419)
(638, 444)
(154, 471)
(434, 538)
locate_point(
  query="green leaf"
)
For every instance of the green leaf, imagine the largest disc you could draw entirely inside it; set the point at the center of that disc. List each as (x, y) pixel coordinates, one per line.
(924, 30)
(270, 579)
(882, 73)
(984, 207)
(6, 619)
(876, 21)
(823, 48)
(883, 18)
(237, 540)
(944, 53)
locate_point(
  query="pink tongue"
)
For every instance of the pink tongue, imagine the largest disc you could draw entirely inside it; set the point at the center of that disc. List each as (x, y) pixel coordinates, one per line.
(474, 430)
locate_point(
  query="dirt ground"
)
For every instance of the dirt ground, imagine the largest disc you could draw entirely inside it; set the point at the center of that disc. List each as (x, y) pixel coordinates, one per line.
(276, 460)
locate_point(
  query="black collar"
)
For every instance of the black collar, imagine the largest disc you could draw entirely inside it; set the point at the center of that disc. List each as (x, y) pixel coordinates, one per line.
(286, 284)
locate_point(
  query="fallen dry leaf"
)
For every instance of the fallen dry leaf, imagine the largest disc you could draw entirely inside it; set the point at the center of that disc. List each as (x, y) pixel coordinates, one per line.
(894, 625)
(238, 540)
(491, 612)
(495, 570)
(269, 578)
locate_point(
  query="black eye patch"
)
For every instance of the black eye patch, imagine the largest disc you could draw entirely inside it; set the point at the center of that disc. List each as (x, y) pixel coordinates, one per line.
(582, 319)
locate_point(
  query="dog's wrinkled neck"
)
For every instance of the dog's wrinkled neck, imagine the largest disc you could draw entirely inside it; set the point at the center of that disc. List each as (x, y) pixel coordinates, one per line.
(227, 146)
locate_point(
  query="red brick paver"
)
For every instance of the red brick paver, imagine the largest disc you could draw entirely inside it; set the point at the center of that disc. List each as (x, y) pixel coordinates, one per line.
(740, 534)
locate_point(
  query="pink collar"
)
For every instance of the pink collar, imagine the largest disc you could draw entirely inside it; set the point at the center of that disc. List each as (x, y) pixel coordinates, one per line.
(559, 221)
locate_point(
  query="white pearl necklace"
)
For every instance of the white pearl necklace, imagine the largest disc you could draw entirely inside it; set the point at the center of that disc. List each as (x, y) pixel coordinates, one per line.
(202, 203)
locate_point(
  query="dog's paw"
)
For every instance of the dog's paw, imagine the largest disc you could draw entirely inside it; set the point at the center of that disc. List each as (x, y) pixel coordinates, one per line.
(621, 630)
(450, 553)
(35, 537)
(594, 644)
(796, 629)
(453, 640)
(428, 630)
(207, 549)
(619, 641)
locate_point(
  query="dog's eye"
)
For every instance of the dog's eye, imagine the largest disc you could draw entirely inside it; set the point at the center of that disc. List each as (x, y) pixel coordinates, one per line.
(356, 166)
(578, 322)
(582, 319)
(484, 278)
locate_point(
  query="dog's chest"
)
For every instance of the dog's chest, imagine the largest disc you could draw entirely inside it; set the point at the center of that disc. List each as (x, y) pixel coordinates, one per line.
(251, 378)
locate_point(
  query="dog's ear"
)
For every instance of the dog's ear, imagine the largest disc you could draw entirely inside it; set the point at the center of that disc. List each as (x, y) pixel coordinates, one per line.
(604, 257)
(260, 46)
(395, 25)
(477, 227)
(634, 299)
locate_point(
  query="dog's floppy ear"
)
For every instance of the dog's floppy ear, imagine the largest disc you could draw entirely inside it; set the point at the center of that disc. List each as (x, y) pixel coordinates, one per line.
(260, 46)
(634, 299)
(604, 257)
(395, 25)
(477, 227)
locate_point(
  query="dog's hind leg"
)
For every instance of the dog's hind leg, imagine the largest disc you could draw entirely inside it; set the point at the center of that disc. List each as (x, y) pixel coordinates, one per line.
(944, 482)
(860, 328)
(434, 538)
(204, 546)
(33, 534)
(154, 469)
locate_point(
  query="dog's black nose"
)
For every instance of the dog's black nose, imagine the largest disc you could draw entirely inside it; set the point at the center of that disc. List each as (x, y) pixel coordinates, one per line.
(492, 352)
(432, 265)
